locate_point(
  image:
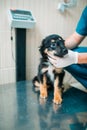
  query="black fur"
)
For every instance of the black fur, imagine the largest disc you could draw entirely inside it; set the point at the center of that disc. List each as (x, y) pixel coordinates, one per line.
(55, 45)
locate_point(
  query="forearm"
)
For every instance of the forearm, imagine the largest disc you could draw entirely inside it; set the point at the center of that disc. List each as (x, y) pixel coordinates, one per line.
(73, 41)
(82, 58)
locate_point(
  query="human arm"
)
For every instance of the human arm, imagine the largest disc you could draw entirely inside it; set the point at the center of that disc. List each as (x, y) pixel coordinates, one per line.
(81, 31)
(82, 58)
(74, 40)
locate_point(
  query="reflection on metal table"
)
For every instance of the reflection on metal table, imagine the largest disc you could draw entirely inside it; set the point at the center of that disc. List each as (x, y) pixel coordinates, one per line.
(22, 109)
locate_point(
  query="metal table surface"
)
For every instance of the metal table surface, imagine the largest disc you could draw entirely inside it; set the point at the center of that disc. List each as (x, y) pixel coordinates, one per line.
(22, 109)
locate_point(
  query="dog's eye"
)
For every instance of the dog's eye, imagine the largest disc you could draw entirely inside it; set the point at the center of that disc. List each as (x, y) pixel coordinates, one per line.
(53, 45)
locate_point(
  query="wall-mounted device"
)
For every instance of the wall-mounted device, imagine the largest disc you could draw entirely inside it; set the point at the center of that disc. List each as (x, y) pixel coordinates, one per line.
(21, 18)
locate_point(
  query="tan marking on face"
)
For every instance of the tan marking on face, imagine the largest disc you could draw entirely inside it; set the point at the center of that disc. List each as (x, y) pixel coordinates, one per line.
(59, 38)
(52, 40)
(46, 50)
(50, 52)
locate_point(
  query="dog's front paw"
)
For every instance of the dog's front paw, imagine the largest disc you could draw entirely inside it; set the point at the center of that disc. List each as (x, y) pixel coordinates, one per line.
(43, 94)
(57, 99)
(43, 91)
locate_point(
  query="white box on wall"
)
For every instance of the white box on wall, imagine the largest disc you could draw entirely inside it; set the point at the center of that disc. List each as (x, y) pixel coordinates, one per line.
(21, 18)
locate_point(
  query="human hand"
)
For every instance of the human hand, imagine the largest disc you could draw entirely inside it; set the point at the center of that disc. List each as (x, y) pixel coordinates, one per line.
(69, 59)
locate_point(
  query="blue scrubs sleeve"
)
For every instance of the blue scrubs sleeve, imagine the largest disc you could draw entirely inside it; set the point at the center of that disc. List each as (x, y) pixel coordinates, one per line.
(82, 24)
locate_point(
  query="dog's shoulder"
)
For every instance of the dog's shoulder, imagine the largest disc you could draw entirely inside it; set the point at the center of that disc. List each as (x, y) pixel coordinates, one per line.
(44, 65)
(44, 62)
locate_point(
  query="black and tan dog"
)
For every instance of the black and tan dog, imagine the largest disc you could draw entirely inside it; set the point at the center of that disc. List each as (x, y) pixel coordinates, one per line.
(48, 75)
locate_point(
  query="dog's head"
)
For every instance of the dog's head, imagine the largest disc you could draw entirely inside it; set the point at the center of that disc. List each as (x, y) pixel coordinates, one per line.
(53, 44)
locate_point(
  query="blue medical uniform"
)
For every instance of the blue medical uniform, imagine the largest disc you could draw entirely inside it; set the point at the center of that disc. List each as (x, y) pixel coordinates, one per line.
(79, 71)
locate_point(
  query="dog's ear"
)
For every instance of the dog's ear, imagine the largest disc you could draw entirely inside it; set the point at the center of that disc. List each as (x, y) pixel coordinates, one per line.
(43, 42)
(42, 47)
(63, 41)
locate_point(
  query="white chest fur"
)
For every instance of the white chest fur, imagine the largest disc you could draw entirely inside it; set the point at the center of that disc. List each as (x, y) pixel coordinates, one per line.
(50, 72)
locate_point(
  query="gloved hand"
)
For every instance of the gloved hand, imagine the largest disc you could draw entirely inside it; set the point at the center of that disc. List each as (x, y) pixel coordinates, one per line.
(69, 59)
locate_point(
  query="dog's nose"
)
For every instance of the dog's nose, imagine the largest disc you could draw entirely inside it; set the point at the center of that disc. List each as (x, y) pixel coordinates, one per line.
(65, 51)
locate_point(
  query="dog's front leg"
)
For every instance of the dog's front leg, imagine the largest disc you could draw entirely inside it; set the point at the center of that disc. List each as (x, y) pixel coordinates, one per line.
(57, 92)
(43, 87)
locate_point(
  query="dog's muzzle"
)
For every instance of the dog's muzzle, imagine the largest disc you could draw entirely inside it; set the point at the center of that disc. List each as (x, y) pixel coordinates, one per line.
(61, 53)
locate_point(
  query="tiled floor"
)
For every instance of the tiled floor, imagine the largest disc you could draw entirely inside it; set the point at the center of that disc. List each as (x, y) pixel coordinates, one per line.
(22, 109)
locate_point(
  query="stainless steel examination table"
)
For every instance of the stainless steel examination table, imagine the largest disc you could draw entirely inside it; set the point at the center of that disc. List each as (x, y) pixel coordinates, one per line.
(22, 109)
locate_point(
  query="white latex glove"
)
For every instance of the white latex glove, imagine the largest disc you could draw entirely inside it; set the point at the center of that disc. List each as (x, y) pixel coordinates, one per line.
(69, 59)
